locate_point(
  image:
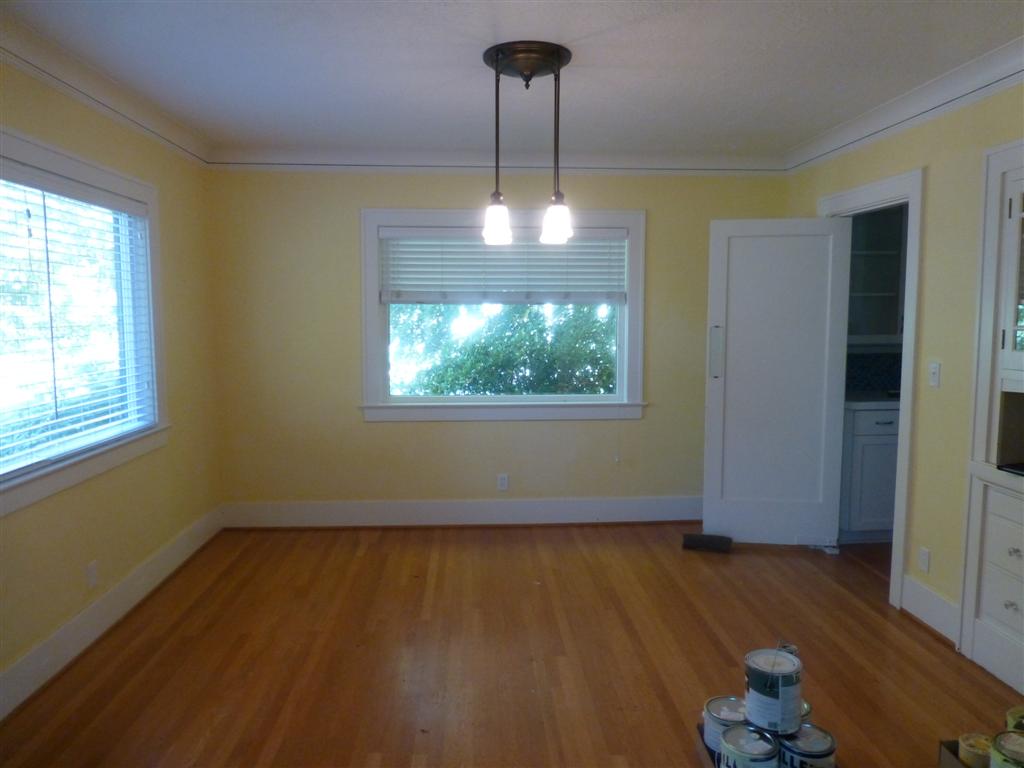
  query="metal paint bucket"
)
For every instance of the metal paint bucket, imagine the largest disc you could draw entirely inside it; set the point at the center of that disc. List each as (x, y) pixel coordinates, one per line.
(744, 746)
(809, 747)
(1007, 750)
(719, 713)
(773, 690)
(974, 750)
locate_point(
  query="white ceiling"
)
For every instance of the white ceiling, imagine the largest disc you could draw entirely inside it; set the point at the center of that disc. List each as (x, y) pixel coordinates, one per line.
(404, 83)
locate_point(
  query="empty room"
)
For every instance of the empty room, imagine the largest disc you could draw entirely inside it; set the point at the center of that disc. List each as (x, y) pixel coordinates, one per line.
(512, 383)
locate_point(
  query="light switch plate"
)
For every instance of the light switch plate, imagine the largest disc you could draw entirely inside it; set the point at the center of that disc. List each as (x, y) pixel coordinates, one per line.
(934, 374)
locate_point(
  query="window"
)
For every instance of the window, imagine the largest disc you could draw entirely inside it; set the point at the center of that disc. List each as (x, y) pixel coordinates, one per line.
(457, 330)
(76, 330)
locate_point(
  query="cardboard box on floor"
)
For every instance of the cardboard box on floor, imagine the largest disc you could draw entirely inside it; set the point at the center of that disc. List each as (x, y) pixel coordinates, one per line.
(948, 751)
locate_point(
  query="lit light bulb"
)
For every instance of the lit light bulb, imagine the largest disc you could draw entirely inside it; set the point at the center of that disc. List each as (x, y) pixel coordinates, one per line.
(557, 227)
(497, 229)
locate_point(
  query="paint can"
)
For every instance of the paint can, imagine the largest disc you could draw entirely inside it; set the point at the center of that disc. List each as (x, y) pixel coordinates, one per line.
(773, 690)
(1007, 750)
(744, 746)
(974, 750)
(719, 713)
(1015, 718)
(790, 648)
(809, 747)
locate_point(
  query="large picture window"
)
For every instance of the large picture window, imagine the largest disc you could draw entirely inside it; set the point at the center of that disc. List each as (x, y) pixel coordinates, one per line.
(76, 338)
(456, 329)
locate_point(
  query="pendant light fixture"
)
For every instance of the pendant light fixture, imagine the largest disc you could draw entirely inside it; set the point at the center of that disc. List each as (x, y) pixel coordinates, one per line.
(497, 228)
(528, 59)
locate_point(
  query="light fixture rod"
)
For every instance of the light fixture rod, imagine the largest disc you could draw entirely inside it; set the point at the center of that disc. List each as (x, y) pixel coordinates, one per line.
(497, 132)
(558, 81)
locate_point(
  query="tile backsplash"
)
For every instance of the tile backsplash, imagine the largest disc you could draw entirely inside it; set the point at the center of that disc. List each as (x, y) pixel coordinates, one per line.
(873, 372)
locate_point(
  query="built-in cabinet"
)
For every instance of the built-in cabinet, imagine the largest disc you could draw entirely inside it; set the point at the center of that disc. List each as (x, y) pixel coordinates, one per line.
(870, 438)
(992, 622)
(878, 256)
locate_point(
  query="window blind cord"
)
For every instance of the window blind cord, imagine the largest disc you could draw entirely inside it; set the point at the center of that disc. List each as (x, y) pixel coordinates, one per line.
(49, 307)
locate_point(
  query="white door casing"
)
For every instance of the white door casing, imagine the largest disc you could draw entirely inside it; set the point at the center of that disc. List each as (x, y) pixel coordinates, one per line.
(777, 317)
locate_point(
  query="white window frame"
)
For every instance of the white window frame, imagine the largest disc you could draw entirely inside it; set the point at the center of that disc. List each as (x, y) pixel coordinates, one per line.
(66, 471)
(379, 405)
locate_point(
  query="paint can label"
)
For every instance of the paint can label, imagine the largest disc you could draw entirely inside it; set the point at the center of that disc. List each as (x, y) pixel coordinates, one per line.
(788, 759)
(727, 759)
(780, 713)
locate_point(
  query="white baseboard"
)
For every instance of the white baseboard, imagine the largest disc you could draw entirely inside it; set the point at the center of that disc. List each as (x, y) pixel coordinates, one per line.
(31, 671)
(301, 514)
(932, 608)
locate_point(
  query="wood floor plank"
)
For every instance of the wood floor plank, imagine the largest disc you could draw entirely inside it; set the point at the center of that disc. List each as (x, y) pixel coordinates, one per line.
(532, 646)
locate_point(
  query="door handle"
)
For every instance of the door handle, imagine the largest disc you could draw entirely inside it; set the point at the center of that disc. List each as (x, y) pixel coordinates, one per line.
(716, 351)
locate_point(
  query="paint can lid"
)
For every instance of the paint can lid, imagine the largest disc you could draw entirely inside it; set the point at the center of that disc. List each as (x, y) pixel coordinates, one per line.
(748, 741)
(773, 661)
(1009, 744)
(732, 709)
(810, 741)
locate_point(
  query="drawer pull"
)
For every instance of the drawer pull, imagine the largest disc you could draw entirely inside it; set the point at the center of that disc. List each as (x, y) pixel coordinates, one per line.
(884, 423)
(1014, 552)
(1010, 605)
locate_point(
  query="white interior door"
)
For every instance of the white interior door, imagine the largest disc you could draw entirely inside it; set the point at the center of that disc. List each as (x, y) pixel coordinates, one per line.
(777, 317)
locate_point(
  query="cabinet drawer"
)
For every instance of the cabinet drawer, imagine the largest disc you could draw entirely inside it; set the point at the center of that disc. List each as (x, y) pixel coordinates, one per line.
(1002, 598)
(1004, 544)
(876, 422)
(1005, 503)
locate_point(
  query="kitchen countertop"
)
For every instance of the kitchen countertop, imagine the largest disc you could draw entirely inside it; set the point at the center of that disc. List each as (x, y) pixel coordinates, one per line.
(871, 401)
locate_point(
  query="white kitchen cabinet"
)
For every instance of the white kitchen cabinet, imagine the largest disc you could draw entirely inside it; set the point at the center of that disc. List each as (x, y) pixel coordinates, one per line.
(993, 626)
(869, 471)
(992, 609)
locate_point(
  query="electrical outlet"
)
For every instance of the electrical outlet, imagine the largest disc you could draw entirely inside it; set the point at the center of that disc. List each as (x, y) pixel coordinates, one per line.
(924, 559)
(92, 574)
(934, 374)
(502, 482)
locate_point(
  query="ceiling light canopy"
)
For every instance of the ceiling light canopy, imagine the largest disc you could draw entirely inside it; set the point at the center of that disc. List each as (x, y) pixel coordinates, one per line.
(527, 59)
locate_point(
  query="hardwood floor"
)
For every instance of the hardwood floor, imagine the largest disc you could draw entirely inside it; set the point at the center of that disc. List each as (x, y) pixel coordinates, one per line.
(581, 646)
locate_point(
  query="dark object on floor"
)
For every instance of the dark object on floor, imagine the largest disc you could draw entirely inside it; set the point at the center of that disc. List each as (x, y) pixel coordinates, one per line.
(707, 542)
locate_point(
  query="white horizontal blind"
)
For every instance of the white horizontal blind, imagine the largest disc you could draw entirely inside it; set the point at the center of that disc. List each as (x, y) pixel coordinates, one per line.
(453, 266)
(76, 342)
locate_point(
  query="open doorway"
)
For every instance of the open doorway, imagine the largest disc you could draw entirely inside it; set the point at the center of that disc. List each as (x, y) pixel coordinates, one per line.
(874, 355)
(880, 369)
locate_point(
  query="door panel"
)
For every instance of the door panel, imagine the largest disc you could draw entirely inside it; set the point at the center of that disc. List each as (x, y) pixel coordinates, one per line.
(778, 298)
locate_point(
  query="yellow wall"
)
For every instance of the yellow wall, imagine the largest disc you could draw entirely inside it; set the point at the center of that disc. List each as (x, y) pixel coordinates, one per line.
(951, 149)
(124, 515)
(288, 255)
(261, 312)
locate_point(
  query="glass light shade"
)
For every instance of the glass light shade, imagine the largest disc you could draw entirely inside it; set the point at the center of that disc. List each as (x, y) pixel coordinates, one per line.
(497, 230)
(557, 227)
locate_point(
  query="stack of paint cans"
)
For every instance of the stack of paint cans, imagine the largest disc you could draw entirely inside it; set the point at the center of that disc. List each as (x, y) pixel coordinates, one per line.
(769, 727)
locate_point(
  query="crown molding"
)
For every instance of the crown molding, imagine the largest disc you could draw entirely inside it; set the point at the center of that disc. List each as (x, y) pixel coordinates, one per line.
(975, 80)
(30, 52)
(970, 82)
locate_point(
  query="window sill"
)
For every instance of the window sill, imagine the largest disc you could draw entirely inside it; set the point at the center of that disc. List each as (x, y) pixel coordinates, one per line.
(503, 412)
(27, 489)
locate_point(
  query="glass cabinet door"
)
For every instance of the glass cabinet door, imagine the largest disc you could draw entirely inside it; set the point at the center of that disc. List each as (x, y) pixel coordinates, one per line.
(1011, 341)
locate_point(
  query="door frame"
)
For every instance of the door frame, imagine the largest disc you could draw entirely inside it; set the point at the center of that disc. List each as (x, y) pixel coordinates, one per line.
(895, 190)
